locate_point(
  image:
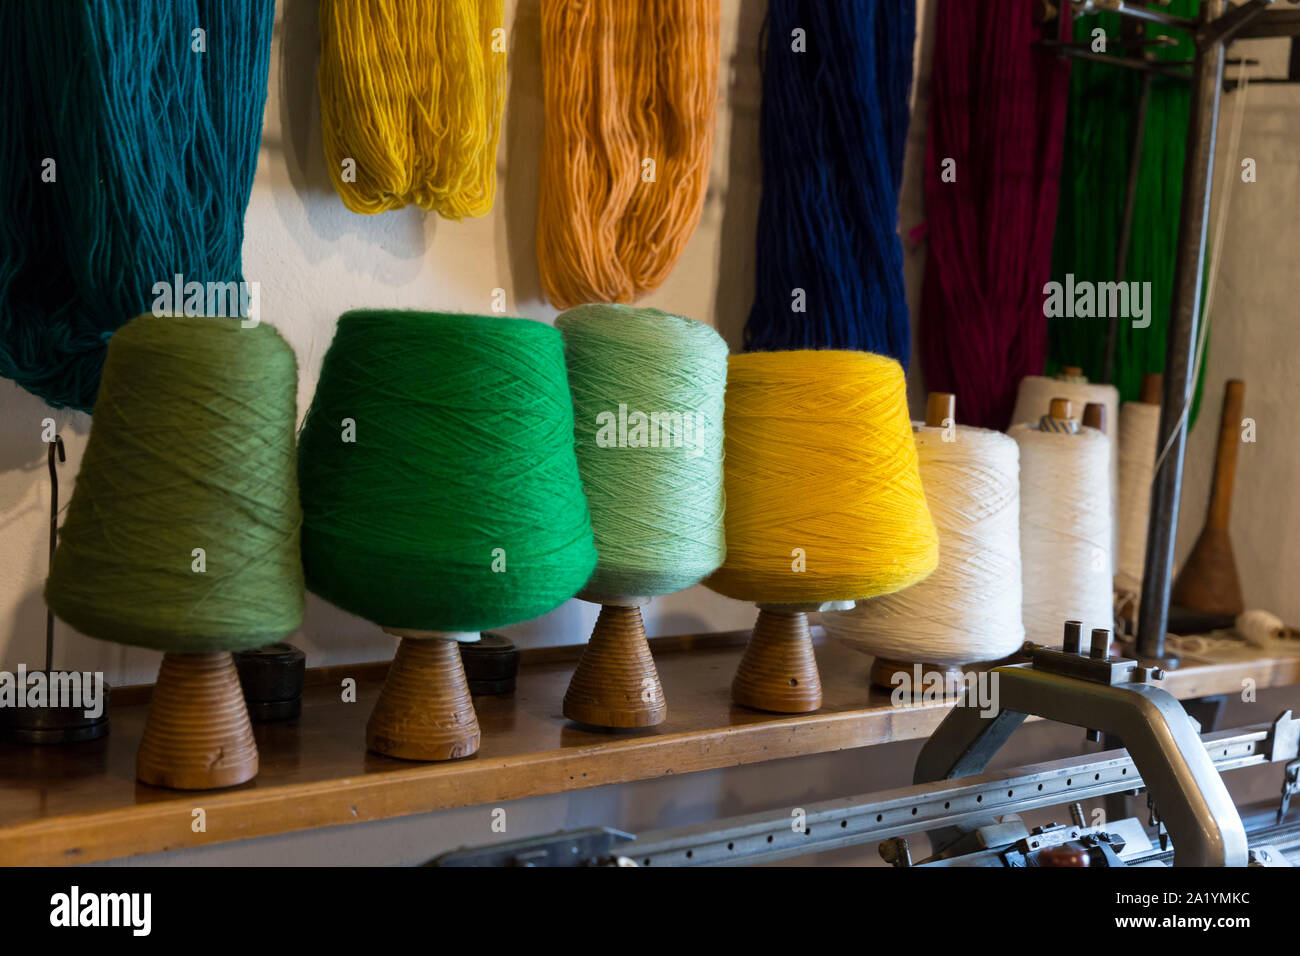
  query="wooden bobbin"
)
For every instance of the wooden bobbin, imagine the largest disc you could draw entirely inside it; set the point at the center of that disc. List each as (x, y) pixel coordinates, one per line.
(940, 408)
(778, 671)
(615, 683)
(1061, 409)
(1094, 416)
(424, 711)
(1153, 388)
(1069, 372)
(1209, 581)
(197, 735)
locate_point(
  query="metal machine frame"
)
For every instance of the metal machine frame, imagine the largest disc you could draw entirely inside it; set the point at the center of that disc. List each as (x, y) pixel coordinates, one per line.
(1218, 26)
(852, 821)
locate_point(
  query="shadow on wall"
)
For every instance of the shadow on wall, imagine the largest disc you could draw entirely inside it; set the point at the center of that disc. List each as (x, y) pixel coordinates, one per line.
(312, 214)
(518, 174)
(743, 183)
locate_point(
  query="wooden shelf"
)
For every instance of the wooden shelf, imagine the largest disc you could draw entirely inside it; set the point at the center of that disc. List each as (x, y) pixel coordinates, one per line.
(82, 803)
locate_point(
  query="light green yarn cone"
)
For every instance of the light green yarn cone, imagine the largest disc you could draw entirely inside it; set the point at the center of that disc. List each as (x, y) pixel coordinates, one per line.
(648, 392)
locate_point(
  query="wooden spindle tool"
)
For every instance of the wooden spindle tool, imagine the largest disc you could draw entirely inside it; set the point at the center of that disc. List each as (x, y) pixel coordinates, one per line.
(1209, 581)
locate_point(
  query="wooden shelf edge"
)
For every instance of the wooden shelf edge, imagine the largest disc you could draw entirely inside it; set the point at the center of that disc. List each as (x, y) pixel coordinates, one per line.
(423, 788)
(400, 789)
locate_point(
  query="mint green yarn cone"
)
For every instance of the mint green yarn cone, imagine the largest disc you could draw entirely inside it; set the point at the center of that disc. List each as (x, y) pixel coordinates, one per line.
(648, 390)
(182, 531)
(440, 487)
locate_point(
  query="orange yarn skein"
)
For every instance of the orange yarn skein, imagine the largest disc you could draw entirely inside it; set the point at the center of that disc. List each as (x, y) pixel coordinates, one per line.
(631, 102)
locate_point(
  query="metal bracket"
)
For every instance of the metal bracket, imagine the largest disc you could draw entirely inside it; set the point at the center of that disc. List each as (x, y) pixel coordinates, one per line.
(1202, 819)
(593, 845)
(1290, 786)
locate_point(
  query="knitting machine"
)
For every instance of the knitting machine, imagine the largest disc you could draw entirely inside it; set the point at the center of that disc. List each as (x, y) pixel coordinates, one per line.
(972, 818)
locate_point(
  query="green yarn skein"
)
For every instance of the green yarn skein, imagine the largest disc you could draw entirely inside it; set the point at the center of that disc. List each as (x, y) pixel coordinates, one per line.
(192, 447)
(440, 487)
(648, 392)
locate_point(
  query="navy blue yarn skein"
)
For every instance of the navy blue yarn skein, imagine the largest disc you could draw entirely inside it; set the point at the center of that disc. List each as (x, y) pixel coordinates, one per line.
(833, 129)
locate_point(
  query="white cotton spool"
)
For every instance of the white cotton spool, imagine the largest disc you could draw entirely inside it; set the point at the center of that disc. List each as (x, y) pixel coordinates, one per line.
(1065, 530)
(1138, 434)
(969, 609)
(1037, 391)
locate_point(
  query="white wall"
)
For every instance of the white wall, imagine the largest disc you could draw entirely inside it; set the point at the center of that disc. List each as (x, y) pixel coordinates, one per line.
(1255, 336)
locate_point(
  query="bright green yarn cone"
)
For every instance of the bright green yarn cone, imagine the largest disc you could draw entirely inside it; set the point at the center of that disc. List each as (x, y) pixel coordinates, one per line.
(192, 447)
(440, 488)
(648, 399)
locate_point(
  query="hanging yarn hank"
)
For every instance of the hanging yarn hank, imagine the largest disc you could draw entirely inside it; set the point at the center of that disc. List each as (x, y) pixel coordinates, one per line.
(824, 499)
(457, 504)
(1065, 530)
(656, 496)
(191, 448)
(835, 111)
(153, 148)
(1098, 140)
(969, 609)
(997, 109)
(412, 94)
(631, 100)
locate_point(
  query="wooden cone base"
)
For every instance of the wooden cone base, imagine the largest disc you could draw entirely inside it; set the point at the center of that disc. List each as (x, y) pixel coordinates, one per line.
(883, 671)
(424, 711)
(616, 684)
(197, 735)
(778, 671)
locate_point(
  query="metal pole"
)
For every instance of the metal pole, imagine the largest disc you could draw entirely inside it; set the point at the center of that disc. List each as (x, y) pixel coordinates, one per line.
(1180, 352)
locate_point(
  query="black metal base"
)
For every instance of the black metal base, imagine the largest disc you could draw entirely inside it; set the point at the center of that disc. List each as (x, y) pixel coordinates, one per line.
(272, 679)
(491, 688)
(53, 725)
(491, 664)
(269, 711)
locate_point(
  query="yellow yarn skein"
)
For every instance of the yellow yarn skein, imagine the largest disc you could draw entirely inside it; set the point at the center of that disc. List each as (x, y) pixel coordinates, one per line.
(412, 94)
(824, 496)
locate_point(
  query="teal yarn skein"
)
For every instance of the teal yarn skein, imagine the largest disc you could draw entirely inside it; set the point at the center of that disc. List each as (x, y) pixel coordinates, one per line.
(439, 482)
(648, 391)
(129, 158)
(192, 447)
